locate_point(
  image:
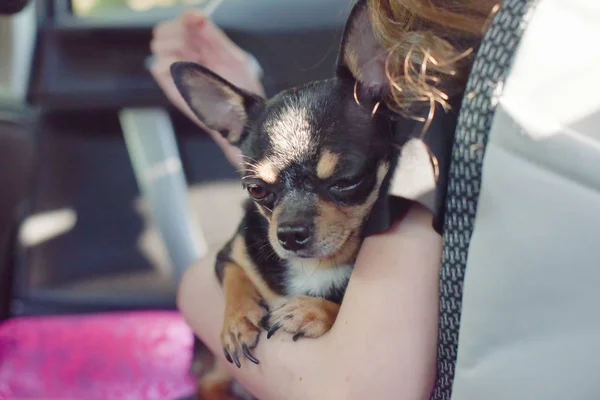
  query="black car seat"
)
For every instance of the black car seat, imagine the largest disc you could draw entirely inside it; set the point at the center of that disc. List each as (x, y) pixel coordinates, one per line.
(16, 159)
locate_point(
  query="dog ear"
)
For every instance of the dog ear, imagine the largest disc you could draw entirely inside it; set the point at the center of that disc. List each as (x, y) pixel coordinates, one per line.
(361, 57)
(220, 105)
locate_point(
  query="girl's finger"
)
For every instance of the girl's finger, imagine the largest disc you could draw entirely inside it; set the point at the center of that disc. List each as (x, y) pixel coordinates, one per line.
(170, 47)
(167, 29)
(193, 20)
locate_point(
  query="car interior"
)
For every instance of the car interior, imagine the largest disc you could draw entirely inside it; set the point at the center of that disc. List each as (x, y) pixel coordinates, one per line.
(88, 229)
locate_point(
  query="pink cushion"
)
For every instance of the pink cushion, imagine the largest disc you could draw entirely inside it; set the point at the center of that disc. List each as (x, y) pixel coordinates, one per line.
(137, 356)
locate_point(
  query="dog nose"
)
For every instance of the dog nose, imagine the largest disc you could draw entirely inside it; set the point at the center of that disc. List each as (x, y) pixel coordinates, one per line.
(293, 237)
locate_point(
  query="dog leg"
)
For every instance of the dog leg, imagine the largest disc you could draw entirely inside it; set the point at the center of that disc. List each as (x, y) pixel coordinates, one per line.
(244, 311)
(302, 316)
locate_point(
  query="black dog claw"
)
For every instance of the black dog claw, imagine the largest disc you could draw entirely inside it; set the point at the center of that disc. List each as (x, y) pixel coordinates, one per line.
(249, 355)
(272, 331)
(263, 304)
(297, 336)
(236, 359)
(264, 322)
(227, 356)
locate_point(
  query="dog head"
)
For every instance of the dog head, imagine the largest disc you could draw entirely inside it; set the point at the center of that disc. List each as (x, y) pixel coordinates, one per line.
(315, 157)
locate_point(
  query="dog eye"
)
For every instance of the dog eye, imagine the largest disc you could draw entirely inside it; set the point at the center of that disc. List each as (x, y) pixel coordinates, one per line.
(257, 192)
(345, 185)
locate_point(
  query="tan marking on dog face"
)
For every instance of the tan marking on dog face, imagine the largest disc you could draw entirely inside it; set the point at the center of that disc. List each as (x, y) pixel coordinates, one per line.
(337, 226)
(336, 240)
(327, 164)
(240, 256)
(273, 223)
(262, 212)
(266, 171)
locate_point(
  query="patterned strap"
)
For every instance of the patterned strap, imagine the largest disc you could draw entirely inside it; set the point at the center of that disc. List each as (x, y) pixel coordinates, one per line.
(490, 69)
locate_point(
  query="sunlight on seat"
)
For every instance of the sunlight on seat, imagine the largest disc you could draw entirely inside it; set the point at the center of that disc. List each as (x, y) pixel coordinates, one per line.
(42, 227)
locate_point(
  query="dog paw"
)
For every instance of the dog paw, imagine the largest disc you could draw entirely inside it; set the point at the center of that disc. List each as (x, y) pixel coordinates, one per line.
(302, 316)
(241, 330)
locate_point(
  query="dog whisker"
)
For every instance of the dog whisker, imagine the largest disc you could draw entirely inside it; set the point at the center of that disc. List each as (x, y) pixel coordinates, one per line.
(264, 246)
(249, 158)
(250, 167)
(273, 255)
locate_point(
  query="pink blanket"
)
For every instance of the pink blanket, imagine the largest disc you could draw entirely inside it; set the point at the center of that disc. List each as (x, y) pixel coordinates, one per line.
(133, 356)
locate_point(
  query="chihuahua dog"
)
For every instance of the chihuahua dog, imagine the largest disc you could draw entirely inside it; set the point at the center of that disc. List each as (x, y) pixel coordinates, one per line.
(316, 159)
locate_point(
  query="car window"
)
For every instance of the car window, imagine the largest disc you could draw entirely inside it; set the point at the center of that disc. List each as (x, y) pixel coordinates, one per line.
(97, 8)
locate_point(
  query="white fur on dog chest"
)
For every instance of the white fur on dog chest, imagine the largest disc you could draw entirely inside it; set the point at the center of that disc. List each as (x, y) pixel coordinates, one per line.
(307, 278)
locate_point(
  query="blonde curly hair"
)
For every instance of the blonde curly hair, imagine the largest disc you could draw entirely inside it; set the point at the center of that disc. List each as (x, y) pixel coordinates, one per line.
(430, 49)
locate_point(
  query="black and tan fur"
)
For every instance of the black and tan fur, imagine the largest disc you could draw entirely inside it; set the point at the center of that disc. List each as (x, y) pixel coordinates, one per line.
(316, 158)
